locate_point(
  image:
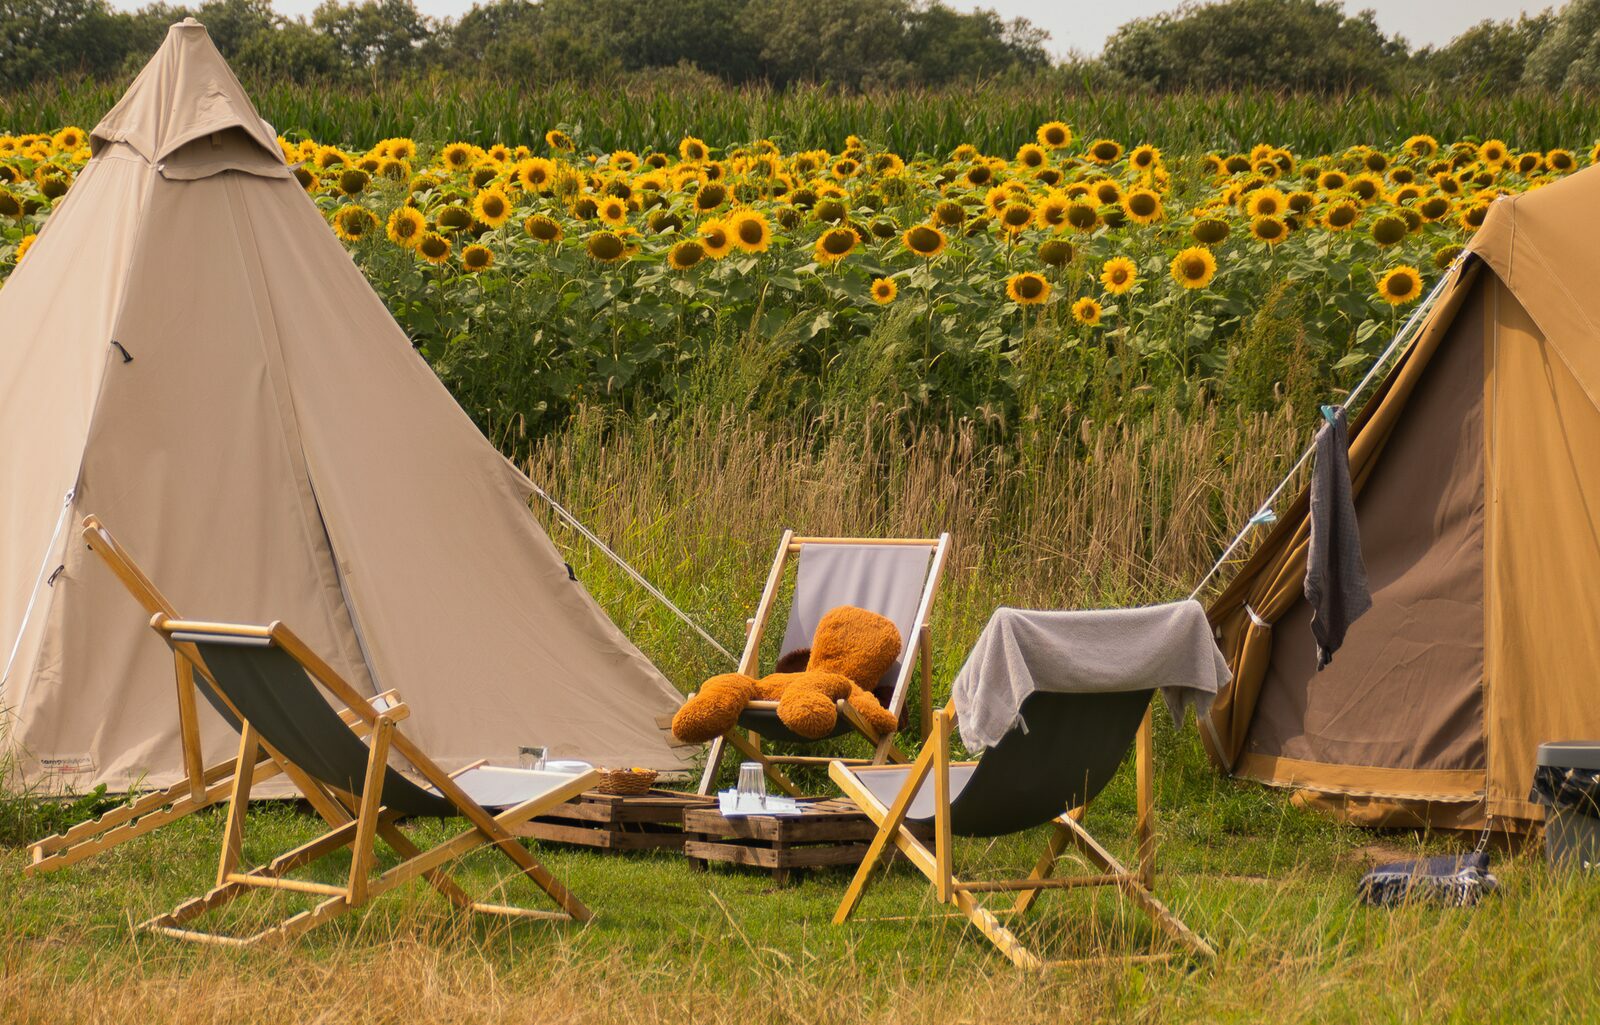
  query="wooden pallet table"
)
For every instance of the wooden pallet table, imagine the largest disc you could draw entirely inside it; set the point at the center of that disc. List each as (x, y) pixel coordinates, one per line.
(829, 831)
(617, 822)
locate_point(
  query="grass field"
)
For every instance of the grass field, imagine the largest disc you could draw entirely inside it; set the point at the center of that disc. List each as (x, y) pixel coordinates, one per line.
(1270, 885)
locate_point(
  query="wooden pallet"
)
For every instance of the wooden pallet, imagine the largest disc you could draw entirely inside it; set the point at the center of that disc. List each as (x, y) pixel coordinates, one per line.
(616, 822)
(830, 831)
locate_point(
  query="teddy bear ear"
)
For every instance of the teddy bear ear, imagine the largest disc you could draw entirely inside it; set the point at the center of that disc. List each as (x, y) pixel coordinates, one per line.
(794, 661)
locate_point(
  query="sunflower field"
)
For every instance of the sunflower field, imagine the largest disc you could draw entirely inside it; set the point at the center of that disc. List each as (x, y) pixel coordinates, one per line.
(1068, 274)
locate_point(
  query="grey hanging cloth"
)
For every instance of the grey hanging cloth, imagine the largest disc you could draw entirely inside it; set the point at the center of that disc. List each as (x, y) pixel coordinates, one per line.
(1336, 576)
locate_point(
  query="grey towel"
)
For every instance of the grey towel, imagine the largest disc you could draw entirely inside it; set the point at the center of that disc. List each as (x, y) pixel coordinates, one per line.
(1022, 651)
(1336, 576)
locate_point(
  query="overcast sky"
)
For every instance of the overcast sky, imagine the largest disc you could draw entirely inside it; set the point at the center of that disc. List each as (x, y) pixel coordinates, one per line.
(1083, 25)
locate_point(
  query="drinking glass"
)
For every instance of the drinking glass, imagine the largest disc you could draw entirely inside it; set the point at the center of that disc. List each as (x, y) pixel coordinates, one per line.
(752, 782)
(532, 756)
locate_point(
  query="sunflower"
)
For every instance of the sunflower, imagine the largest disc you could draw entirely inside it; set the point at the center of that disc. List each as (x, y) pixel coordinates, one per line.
(1400, 286)
(559, 141)
(1083, 215)
(1105, 151)
(535, 174)
(1270, 230)
(1332, 181)
(1054, 135)
(1119, 274)
(1445, 255)
(1341, 216)
(715, 238)
(750, 231)
(837, 243)
(1143, 206)
(685, 254)
(69, 139)
(457, 156)
(1472, 216)
(613, 211)
(1016, 216)
(1210, 231)
(1086, 312)
(1028, 289)
(1144, 158)
(1106, 191)
(1493, 153)
(477, 259)
(1560, 161)
(1055, 252)
(1238, 163)
(543, 228)
(692, 149)
(1389, 230)
(329, 156)
(1194, 267)
(11, 205)
(1031, 155)
(924, 240)
(454, 217)
(606, 246)
(434, 248)
(1365, 187)
(978, 175)
(1421, 146)
(884, 290)
(353, 223)
(407, 226)
(949, 213)
(492, 207)
(966, 152)
(1405, 194)
(1052, 211)
(1301, 201)
(710, 196)
(306, 177)
(1434, 208)
(1528, 163)
(398, 148)
(1267, 202)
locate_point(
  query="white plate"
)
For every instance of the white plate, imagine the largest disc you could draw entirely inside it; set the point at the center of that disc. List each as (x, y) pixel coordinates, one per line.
(570, 766)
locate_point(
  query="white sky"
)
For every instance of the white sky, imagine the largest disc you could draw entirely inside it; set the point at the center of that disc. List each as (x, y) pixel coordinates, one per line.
(1083, 25)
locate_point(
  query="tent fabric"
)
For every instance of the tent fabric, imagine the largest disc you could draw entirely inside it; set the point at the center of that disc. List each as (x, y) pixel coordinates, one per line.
(270, 447)
(1479, 492)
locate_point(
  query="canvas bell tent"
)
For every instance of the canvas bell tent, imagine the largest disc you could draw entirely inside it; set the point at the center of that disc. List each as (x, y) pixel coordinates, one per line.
(191, 355)
(1477, 464)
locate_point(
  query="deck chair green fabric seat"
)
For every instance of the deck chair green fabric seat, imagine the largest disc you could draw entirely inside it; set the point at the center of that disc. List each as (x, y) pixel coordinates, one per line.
(1063, 751)
(276, 686)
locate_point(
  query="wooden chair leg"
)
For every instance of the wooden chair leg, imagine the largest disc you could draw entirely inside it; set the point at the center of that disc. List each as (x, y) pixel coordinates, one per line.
(361, 856)
(708, 777)
(1135, 889)
(1146, 831)
(889, 825)
(189, 727)
(925, 658)
(1046, 863)
(238, 803)
(942, 840)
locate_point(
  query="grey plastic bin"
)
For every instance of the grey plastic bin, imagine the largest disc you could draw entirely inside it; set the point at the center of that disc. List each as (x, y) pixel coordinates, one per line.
(1572, 830)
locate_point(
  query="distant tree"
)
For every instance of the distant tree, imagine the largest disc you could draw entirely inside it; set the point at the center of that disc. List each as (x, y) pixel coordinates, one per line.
(42, 38)
(383, 35)
(839, 42)
(1274, 44)
(1568, 57)
(293, 51)
(945, 45)
(532, 42)
(233, 23)
(1493, 53)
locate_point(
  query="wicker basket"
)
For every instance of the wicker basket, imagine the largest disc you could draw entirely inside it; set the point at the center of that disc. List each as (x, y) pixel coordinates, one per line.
(626, 781)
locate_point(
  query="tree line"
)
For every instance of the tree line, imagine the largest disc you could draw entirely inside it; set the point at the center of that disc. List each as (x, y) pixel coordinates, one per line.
(1288, 45)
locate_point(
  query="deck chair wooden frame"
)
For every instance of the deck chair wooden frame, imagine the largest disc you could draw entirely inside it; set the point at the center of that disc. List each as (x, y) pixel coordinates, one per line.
(1137, 884)
(918, 662)
(202, 785)
(373, 820)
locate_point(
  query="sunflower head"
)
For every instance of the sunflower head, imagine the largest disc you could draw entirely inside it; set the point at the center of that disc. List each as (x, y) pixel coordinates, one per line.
(884, 290)
(1472, 217)
(1054, 135)
(434, 248)
(835, 244)
(1493, 152)
(1055, 252)
(10, 205)
(1560, 161)
(1105, 151)
(949, 213)
(1301, 201)
(693, 150)
(69, 138)
(1144, 158)
(492, 207)
(978, 175)
(1209, 231)
(1421, 147)
(1332, 181)
(1118, 275)
(1400, 285)
(924, 240)
(1143, 206)
(1435, 207)
(1028, 288)
(23, 247)
(559, 141)
(476, 259)
(663, 222)
(1083, 215)
(612, 210)
(1031, 155)
(685, 254)
(750, 231)
(1086, 312)
(1341, 216)
(605, 246)
(1194, 267)
(831, 210)
(1238, 163)
(1445, 255)
(543, 228)
(716, 239)
(1388, 230)
(1016, 216)
(353, 223)
(1270, 230)
(407, 226)
(1267, 202)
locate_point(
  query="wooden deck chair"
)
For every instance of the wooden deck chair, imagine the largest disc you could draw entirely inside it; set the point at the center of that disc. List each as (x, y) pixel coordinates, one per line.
(276, 683)
(202, 785)
(894, 577)
(1047, 769)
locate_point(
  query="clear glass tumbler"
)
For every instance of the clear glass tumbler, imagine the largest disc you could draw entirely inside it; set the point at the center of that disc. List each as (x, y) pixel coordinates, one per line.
(532, 756)
(752, 782)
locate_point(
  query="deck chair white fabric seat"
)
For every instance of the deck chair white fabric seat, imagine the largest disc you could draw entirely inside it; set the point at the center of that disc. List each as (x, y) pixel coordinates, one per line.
(274, 685)
(894, 577)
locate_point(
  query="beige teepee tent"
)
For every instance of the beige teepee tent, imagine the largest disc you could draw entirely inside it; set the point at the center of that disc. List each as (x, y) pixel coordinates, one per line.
(190, 354)
(1477, 465)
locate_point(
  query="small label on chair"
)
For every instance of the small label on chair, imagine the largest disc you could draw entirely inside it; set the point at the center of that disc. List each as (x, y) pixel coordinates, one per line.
(67, 765)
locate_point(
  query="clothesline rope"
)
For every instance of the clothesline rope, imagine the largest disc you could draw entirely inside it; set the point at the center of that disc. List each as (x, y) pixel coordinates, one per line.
(1401, 337)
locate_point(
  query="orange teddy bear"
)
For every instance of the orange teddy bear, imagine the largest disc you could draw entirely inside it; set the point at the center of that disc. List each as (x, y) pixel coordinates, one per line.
(849, 654)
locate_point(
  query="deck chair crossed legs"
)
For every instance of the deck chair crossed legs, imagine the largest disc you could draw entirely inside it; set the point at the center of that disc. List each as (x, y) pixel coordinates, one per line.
(202, 785)
(276, 683)
(1046, 770)
(895, 577)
